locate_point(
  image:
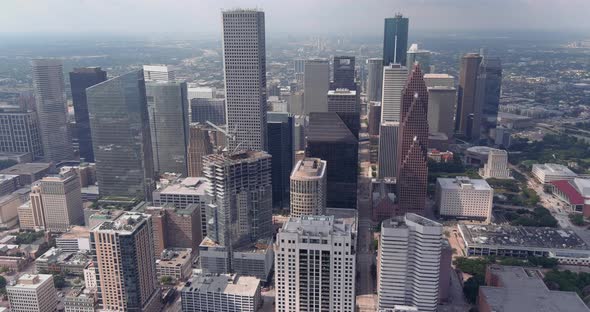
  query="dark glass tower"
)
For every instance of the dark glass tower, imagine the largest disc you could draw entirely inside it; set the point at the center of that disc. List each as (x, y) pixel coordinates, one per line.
(491, 67)
(333, 137)
(469, 98)
(120, 129)
(280, 147)
(80, 79)
(395, 40)
(343, 73)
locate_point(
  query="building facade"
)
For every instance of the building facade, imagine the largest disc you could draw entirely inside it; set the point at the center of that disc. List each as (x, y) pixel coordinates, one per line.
(491, 67)
(221, 293)
(343, 73)
(316, 84)
(308, 187)
(394, 80)
(469, 101)
(441, 110)
(33, 293)
(60, 198)
(280, 147)
(19, 133)
(388, 145)
(199, 145)
(343, 100)
(208, 109)
(464, 198)
(420, 56)
(159, 73)
(374, 79)
(395, 40)
(496, 166)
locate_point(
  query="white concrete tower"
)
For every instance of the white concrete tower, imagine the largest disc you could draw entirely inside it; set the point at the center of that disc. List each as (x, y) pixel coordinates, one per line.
(308, 187)
(394, 80)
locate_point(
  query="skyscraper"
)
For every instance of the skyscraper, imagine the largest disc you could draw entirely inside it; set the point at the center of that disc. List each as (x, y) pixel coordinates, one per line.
(280, 147)
(123, 252)
(394, 80)
(119, 124)
(388, 145)
(395, 40)
(374, 118)
(175, 226)
(374, 79)
(422, 57)
(20, 133)
(413, 141)
(212, 110)
(469, 108)
(48, 82)
(491, 67)
(80, 79)
(409, 263)
(343, 101)
(315, 265)
(60, 200)
(199, 145)
(244, 64)
(441, 110)
(316, 84)
(308, 187)
(343, 73)
(169, 123)
(333, 137)
(158, 73)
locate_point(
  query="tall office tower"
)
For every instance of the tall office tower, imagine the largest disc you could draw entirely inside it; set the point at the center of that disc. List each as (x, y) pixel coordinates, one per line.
(174, 225)
(169, 122)
(422, 57)
(388, 144)
(119, 124)
(394, 80)
(48, 82)
(20, 133)
(468, 118)
(244, 64)
(33, 293)
(308, 187)
(333, 137)
(61, 201)
(374, 118)
(212, 110)
(343, 73)
(439, 80)
(315, 265)
(409, 263)
(80, 79)
(30, 214)
(441, 110)
(299, 65)
(374, 79)
(395, 40)
(280, 147)
(316, 84)
(158, 73)
(123, 252)
(343, 101)
(413, 141)
(199, 145)
(491, 68)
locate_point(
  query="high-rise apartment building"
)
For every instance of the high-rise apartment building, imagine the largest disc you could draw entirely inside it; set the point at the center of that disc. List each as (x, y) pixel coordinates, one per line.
(280, 147)
(464, 198)
(20, 133)
(212, 110)
(119, 124)
(60, 200)
(441, 110)
(343, 101)
(199, 145)
(175, 226)
(80, 79)
(333, 137)
(315, 265)
(343, 74)
(169, 123)
(33, 293)
(308, 187)
(420, 56)
(374, 79)
(395, 40)
(316, 84)
(388, 145)
(244, 64)
(408, 263)
(491, 68)
(48, 83)
(394, 80)
(469, 101)
(123, 252)
(413, 143)
(158, 73)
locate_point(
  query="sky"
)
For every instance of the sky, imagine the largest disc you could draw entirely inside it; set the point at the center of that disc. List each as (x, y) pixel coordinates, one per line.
(297, 17)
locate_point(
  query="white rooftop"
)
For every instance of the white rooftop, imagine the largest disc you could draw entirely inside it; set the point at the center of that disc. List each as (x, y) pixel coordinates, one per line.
(463, 183)
(309, 168)
(31, 281)
(554, 169)
(187, 186)
(225, 284)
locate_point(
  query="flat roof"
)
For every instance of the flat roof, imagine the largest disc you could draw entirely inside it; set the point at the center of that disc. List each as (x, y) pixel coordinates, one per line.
(554, 169)
(309, 167)
(223, 283)
(76, 231)
(187, 186)
(460, 182)
(124, 224)
(174, 257)
(31, 281)
(26, 168)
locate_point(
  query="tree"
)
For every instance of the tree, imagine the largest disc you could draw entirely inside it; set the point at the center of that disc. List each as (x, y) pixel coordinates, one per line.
(59, 281)
(577, 219)
(167, 280)
(471, 287)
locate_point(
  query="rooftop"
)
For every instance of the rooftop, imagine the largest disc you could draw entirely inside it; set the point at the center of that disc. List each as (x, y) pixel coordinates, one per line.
(76, 231)
(554, 169)
(31, 280)
(223, 283)
(237, 157)
(174, 257)
(26, 168)
(124, 224)
(464, 183)
(437, 76)
(56, 255)
(409, 219)
(187, 186)
(309, 168)
(7, 177)
(341, 91)
(480, 149)
(317, 226)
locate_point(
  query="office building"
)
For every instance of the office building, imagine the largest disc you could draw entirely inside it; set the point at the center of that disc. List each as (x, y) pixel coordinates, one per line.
(383, 199)
(60, 200)
(280, 147)
(81, 299)
(176, 227)
(176, 263)
(374, 79)
(315, 265)
(408, 262)
(496, 166)
(169, 122)
(119, 124)
(343, 74)
(158, 73)
(57, 261)
(374, 118)
(199, 145)
(491, 67)
(244, 64)
(469, 99)
(308, 187)
(221, 293)
(546, 173)
(9, 210)
(48, 83)
(394, 80)
(388, 145)
(80, 79)
(316, 84)
(19, 133)
(28, 172)
(8, 183)
(441, 110)
(439, 80)
(464, 198)
(299, 65)
(413, 145)
(333, 137)
(205, 109)
(32, 293)
(420, 56)
(395, 40)
(343, 101)
(123, 252)
(194, 91)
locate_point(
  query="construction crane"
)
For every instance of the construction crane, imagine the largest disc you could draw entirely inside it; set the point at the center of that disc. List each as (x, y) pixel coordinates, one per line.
(230, 135)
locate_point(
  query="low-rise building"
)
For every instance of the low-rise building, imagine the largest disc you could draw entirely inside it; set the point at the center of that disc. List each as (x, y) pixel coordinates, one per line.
(464, 198)
(56, 261)
(9, 210)
(77, 238)
(8, 183)
(175, 262)
(440, 156)
(221, 293)
(33, 293)
(28, 172)
(546, 173)
(575, 193)
(81, 299)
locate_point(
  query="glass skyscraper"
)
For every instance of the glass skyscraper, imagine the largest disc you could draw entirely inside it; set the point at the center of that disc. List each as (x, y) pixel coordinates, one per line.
(395, 40)
(280, 147)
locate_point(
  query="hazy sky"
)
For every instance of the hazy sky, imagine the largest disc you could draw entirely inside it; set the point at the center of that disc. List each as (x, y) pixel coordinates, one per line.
(289, 16)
